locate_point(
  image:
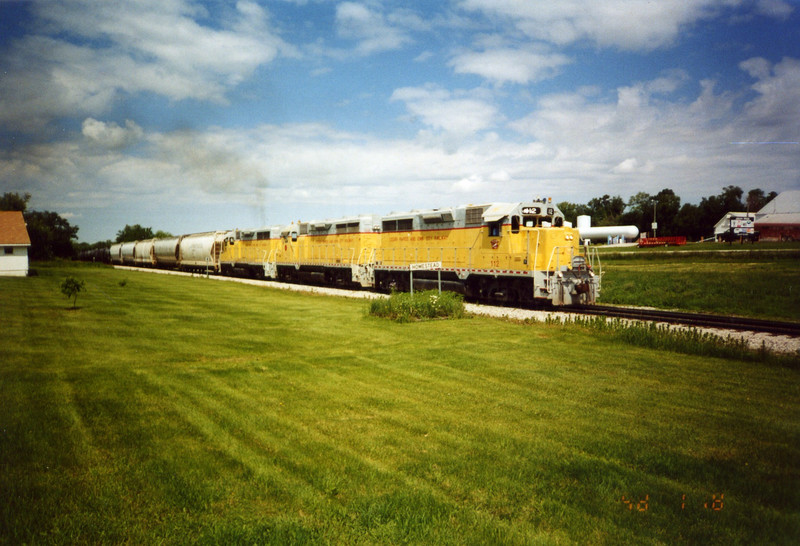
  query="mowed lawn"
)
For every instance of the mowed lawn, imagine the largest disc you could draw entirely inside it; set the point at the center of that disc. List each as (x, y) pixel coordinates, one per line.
(765, 286)
(184, 410)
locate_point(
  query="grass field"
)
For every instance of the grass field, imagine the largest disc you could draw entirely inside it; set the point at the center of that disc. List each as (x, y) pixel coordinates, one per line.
(763, 283)
(174, 410)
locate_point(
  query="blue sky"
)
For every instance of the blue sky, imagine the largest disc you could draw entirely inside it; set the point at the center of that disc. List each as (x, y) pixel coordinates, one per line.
(189, 116)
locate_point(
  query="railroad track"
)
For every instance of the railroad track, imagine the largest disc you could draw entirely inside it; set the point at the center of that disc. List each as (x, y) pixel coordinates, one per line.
(693, 319)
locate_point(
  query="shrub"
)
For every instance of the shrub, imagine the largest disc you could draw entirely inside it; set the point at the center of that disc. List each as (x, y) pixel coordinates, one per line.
(405, 307)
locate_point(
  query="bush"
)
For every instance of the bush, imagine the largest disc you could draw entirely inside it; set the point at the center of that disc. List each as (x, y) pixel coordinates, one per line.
(405, 307)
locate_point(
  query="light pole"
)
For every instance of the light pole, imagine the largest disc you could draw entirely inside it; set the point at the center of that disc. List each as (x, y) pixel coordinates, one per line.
(655, 223)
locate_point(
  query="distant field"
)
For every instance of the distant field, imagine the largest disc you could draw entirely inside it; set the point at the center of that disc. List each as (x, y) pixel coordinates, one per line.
(181, 410)
(763, 281)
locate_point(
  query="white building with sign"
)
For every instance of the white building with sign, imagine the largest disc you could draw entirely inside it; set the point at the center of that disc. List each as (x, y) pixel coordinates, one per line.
(742, 224)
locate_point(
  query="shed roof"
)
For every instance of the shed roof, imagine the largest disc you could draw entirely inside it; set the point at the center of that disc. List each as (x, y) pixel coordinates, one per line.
(12, 229)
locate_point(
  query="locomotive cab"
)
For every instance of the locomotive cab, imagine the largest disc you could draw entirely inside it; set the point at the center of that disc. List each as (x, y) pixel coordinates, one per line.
(549, 252)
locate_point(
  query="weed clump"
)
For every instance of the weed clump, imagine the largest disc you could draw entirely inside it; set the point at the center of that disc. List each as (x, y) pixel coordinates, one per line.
(427, 305)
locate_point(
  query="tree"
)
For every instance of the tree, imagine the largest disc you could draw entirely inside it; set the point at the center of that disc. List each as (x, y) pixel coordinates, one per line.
(667, 206)
(640, 211)
(14, 201)
(688, 222)
(756, 200)
(572, 211)
(71, 287)
(134, 233)
(606, 210)
(51, 235)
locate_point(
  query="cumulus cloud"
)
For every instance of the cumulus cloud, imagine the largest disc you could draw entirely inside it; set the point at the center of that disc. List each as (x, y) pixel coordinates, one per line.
(457, 113)
(372, 31)
(626, 24)
(774, 8)
(84, 54)
(572, 146)
(111, 135)
(502, 65)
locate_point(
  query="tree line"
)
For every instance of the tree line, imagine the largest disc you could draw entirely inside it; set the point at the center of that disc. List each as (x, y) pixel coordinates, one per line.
(52, 235)
(693, 221)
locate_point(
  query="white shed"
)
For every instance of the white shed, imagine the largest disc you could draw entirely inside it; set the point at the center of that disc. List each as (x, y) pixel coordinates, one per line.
(14, 244)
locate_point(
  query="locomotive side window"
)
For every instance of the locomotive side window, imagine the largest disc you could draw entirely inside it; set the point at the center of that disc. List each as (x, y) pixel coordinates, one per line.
(530, 221)
(494, 229)
(262, 235)
(515, 224)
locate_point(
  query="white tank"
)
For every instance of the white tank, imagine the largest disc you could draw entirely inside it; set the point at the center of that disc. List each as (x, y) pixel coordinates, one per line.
(603, 232)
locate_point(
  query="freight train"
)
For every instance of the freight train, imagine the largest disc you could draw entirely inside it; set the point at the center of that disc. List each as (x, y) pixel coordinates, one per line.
(522, 253)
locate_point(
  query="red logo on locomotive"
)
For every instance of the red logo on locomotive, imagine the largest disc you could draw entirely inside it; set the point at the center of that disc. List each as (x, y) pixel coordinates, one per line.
(495, 244)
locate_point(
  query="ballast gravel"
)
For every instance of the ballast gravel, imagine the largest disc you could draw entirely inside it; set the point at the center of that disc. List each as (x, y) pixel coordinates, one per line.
(755, 340)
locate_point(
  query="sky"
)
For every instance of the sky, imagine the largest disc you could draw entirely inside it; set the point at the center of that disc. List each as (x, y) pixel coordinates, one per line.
(190, 116)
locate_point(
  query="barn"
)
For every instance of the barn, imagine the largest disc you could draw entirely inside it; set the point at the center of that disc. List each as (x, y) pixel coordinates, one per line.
(14, 244)
(779, 220)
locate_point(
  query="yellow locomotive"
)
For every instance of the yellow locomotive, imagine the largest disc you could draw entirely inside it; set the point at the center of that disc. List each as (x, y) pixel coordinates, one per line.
(500, 252)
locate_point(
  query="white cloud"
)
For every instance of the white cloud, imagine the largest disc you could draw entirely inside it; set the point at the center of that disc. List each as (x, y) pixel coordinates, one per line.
(111, 135)
(457, 113)
(774, 8)
(369, 28)
(572, 146)
(85, 54)
(626, 24)
(510, 65)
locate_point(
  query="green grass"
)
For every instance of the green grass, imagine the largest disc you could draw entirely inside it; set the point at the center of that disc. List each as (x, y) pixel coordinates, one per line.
(762, 286)
(184, 410)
